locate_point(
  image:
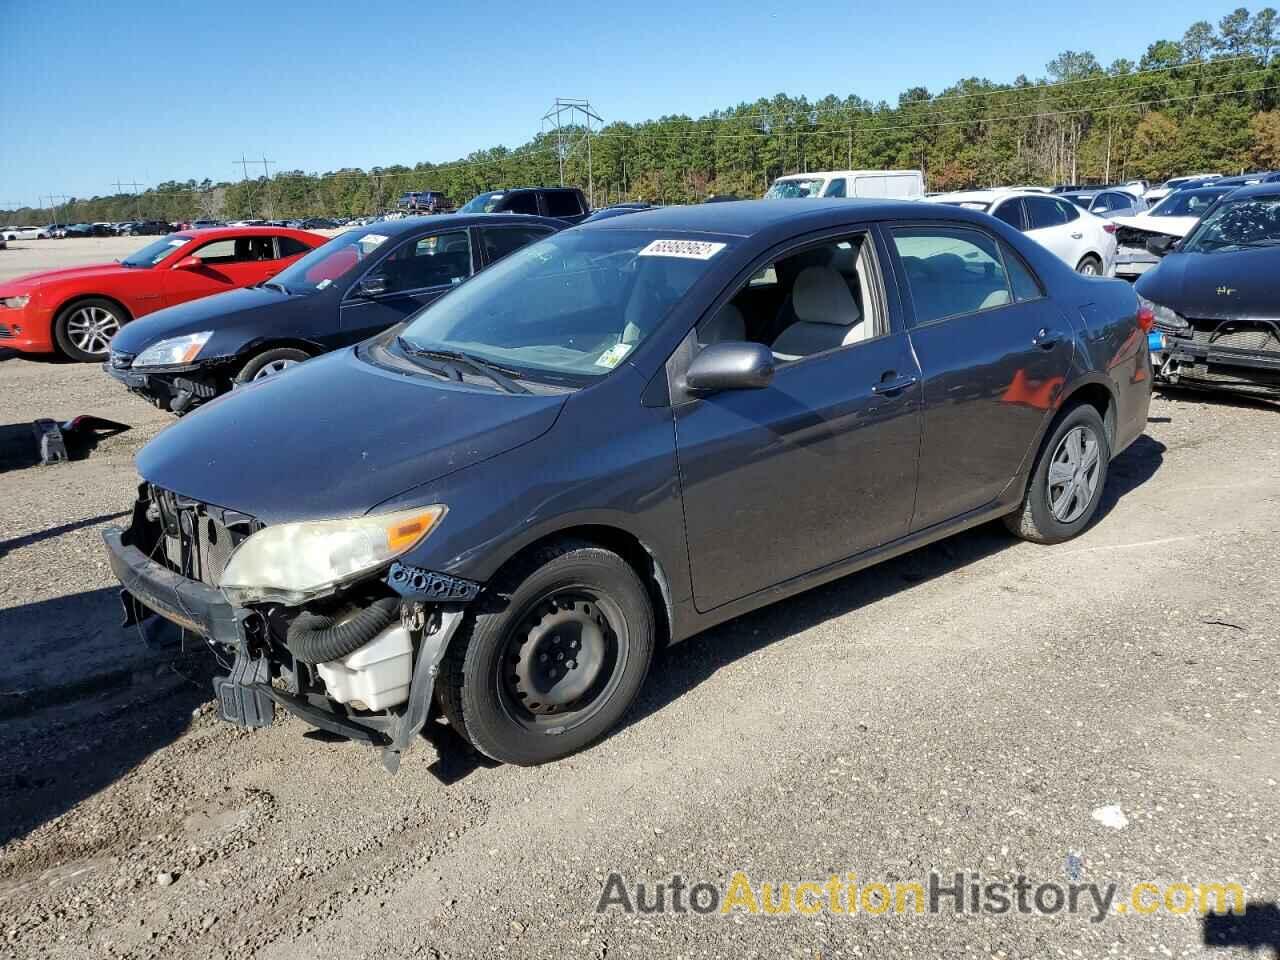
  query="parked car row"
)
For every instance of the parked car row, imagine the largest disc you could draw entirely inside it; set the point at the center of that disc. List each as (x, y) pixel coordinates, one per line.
(604, 442)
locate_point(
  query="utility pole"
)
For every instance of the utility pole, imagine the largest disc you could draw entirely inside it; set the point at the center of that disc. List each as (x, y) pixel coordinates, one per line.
(566, 115)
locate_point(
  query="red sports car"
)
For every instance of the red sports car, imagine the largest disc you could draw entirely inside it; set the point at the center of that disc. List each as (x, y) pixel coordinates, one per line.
(76, 311)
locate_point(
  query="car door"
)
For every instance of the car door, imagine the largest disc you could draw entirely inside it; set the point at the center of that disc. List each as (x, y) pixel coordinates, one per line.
(225, 263)
(1049, 223)
(420, 269)
(816, 467)
(994, 352)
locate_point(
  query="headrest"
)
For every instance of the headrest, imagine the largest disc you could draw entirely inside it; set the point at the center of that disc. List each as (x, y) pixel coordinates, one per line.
(820, 295)
(728, 324)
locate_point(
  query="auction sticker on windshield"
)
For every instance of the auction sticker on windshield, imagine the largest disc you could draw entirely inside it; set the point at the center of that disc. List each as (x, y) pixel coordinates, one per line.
(613, 356)
(684, 249)
(371, 241)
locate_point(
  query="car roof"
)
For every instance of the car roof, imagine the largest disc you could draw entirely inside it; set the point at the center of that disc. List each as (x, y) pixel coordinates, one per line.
(217, 233)
(1256, 190)
(393, 228)
(745, 218)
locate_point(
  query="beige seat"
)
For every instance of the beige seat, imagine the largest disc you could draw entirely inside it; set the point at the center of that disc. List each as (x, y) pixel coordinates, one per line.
(827, 315)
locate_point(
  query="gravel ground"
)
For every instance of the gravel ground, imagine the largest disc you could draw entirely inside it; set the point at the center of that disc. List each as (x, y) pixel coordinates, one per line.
(967, 707)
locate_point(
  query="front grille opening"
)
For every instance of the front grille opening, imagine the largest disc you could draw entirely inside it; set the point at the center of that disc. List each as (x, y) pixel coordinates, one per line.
(199, 538)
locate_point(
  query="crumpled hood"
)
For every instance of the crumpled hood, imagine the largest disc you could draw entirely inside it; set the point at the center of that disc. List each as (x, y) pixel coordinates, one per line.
(1171, 226)
(1216, 286)
(335, 437)
(93, 270)
(206, 313)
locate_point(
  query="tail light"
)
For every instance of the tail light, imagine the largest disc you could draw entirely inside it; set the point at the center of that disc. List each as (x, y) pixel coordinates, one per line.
(1109, 227)
(1146, 318)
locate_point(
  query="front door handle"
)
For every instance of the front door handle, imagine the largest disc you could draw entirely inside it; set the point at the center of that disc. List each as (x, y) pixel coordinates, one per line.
(891, 383)
(1076, 236)
(1046, 339)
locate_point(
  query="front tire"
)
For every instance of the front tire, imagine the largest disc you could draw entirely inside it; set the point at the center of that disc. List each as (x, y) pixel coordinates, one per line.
(552, 658)
(269, 363)
(83, 330)
(1067, 482)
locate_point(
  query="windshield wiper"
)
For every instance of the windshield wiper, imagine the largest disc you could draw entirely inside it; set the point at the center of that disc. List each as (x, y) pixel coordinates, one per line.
(273, 285)
(497, 374)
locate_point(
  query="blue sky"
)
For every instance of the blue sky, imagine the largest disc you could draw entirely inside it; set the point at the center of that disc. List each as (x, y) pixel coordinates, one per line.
(153, 91)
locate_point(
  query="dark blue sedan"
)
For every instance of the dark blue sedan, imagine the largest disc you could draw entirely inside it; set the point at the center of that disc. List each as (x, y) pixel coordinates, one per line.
(354, 286)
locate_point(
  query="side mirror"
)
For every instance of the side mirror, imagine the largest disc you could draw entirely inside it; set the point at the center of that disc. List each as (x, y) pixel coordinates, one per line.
(189, 263)
(1159, 246)
(371, 287)
(730, 365)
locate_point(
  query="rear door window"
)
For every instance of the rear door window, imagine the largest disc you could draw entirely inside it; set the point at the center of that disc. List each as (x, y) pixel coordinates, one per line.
(521, 203)
(1043, 212)
(951, 271)
(563, 203)
(500, 241)
(1011, 213)
(1024, 282)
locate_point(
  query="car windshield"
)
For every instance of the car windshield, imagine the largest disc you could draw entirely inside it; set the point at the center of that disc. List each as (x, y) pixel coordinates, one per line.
(791, 189)
(155, 251)
(485, 203)
(1237, 225)
(567, 309)
(329, 263)
(1186, 203)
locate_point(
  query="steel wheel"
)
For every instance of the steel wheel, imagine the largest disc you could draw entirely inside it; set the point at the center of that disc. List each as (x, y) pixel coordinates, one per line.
(1073, 474)
(563, 659)
(274, 367)
(90, 329)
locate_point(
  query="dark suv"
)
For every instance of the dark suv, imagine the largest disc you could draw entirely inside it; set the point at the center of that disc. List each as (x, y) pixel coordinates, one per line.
(563, 203)
(615, 438)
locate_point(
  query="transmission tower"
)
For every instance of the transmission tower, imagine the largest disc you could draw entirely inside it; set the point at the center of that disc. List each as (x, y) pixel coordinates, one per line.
(566, 117)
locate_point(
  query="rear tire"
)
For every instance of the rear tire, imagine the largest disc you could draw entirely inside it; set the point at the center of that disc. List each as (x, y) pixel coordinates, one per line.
(1066, 484)
(271, 362)
(83, 330)
(553, 656)
(1089, 266)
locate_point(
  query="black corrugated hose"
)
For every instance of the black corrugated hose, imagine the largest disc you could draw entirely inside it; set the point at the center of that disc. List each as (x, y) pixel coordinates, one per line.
(316, 638)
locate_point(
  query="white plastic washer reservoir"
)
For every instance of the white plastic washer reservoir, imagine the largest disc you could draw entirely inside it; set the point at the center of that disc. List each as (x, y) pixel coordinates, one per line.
(375, 676)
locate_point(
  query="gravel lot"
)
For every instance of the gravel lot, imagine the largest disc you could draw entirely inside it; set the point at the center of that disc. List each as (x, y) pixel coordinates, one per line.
(964, 708)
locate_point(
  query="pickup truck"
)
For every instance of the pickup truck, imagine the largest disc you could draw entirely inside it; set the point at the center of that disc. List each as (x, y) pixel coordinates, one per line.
(564, 203)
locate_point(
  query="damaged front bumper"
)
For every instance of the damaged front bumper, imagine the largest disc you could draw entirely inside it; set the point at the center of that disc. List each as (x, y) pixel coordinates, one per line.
(175, 390)
(263, 673)
(1235, 357)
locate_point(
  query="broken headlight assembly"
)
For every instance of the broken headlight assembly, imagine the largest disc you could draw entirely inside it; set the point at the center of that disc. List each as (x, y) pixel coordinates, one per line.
(291, 563)
(1166, 320)
(173, 352)
(16, 303)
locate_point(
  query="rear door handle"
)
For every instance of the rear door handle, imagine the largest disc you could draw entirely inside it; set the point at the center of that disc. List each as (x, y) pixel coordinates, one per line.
(1076, 236)
(1046, 339)
(891, 383)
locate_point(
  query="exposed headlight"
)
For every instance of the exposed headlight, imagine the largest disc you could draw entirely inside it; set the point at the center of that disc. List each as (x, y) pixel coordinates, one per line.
(16, 303)
(174, 351)
(1166, 319)
(294, 562)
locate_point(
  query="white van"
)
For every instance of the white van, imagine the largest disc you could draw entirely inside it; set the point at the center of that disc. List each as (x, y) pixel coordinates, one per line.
(899, 184)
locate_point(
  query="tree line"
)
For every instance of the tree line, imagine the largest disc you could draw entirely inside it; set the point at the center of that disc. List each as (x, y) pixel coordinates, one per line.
(1206, 102)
